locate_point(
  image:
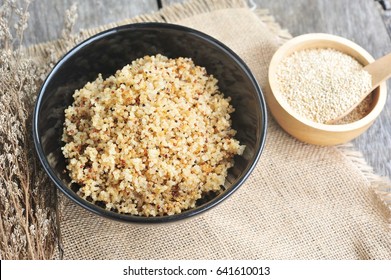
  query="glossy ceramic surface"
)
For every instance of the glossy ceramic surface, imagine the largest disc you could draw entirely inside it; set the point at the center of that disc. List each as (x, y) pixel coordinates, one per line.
(111, 50)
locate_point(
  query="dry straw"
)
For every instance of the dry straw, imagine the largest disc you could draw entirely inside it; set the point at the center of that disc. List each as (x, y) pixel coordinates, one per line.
(327, 229)
(28, 221)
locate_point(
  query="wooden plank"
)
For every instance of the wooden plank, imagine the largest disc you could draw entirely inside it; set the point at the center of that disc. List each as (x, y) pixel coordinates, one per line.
(171, 2)
(386, 15)
(47, 16)
(360, 22)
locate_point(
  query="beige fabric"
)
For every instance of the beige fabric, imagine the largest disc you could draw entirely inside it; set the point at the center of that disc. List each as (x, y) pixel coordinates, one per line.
(301, 201)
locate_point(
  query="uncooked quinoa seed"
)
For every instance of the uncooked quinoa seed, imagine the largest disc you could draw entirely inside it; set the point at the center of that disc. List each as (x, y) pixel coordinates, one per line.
(321, 84)
(150, 140)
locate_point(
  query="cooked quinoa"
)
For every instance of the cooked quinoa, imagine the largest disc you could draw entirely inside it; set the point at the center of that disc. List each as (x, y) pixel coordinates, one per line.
(321, 84)
(150, 140)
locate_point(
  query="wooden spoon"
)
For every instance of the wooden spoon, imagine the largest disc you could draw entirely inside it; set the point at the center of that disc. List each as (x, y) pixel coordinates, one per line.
(380, 70)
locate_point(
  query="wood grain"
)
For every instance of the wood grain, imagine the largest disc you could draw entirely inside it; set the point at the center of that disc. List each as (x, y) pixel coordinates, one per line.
(47, 16)
(296, 125)
(359, 21)
(362, 23)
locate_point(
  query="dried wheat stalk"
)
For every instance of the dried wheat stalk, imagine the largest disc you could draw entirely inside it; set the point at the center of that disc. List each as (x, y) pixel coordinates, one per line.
(28, 222)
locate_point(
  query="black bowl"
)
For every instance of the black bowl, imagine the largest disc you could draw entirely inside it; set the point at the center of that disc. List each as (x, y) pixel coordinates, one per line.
(109, 51)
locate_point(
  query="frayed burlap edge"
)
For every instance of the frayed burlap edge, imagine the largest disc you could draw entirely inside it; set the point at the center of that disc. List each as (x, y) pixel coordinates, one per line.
(380, 186)
(169, 14)
(176, 12)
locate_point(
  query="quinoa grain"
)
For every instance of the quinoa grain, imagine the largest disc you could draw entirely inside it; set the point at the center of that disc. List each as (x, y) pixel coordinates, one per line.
(150, 140)
(321, 84)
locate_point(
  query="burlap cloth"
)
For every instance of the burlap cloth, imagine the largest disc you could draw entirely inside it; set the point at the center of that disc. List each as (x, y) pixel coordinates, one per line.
(301, 201)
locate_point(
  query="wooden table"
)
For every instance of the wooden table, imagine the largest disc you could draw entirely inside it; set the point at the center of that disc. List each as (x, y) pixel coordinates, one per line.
(362, 21)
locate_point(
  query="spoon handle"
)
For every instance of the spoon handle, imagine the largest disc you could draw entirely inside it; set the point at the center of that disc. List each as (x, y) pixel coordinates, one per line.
(380, 70)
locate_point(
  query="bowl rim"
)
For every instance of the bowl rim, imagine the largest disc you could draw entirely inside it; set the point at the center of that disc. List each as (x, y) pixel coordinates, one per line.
(316, 37)
(142, 219)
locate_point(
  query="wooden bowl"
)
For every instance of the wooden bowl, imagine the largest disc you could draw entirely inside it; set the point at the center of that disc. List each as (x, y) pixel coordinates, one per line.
(309, 131)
